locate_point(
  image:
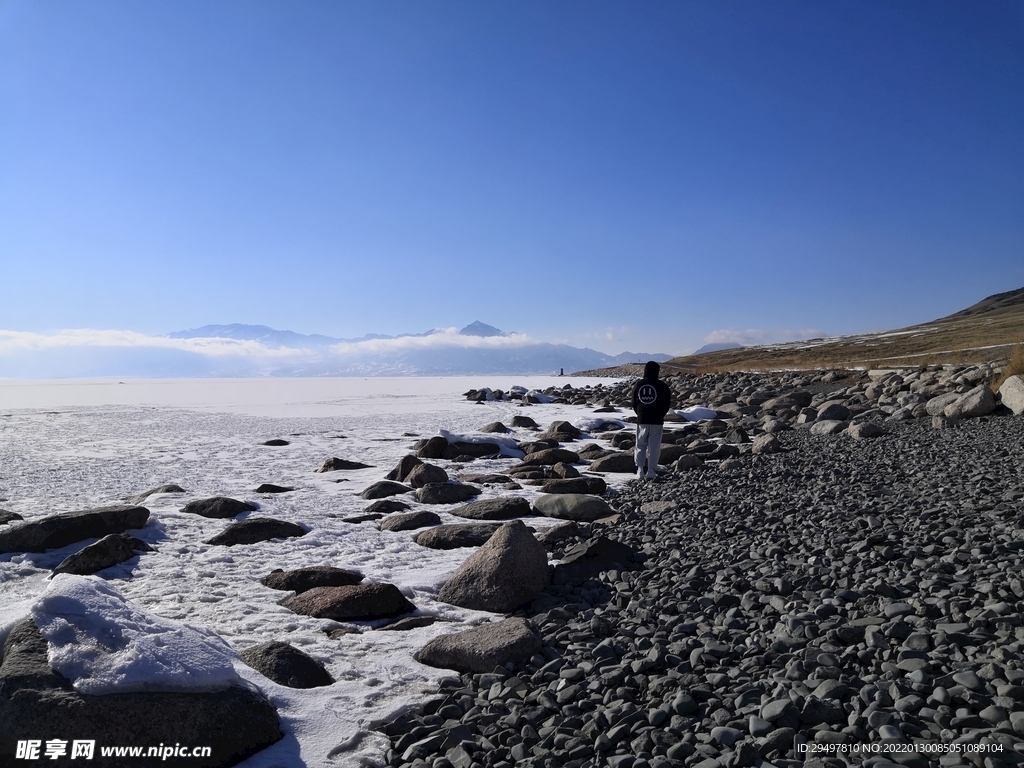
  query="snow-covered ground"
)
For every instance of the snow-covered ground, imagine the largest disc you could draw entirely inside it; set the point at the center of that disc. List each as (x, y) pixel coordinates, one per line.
(67, 445)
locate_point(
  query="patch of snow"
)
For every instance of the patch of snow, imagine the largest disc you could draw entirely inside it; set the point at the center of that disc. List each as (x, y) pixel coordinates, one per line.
(698, 413)
(104, 644)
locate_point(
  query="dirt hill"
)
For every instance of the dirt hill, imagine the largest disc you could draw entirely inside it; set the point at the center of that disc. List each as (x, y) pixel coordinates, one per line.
(986, 331)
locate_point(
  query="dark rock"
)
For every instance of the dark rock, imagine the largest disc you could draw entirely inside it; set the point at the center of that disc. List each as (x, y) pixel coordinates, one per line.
(219, 507)
(70, 527)
(458, 535)
(575, 485)
(446, 493)
(406, 465)
(334, 464)
(107, 552)
(361, 602)
(503, 574)
(485, 479)
(304, 579)
(573, 506)
(276, 442)
(494, 427)
(271, 488)
(286, 665)
(255, 530)
(36, 702)
(524, 422)
(551, 456)
(168, 488)
(434, 448)
(585, 561)
(424, 474)
(411, 622)
(9, 517)
(476, 450)
(384, 488)
(385, 507)
(616, 462)
(483, 648)
(564, 428)
(410, 521)
(558, 533)
(503, 508)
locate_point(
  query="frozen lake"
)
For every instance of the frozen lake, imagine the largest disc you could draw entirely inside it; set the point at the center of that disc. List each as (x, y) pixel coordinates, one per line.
(67, 445)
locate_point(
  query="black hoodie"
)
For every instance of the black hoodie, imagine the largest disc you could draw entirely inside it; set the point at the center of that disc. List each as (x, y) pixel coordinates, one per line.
(651, 398)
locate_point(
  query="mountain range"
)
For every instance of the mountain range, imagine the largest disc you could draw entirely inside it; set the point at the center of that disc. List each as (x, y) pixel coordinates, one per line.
(478, 348)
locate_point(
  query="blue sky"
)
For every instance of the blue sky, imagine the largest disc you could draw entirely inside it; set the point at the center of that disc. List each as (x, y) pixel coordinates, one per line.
(643, 176)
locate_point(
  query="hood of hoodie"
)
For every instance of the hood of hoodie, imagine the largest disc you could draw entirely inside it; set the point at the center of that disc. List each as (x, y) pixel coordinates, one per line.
(651, 370)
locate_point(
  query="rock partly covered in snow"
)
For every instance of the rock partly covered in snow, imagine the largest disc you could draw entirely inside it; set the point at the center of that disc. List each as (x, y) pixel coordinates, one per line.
(70, 527)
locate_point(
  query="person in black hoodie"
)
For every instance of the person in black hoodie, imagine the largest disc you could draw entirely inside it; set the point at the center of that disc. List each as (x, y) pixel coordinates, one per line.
(651, 400)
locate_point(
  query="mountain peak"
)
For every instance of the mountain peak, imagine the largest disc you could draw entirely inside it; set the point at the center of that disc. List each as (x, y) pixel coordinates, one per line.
(476, 328)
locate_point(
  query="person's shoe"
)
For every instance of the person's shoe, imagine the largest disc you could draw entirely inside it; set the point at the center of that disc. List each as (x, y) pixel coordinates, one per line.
(652, 477)
(640, 474)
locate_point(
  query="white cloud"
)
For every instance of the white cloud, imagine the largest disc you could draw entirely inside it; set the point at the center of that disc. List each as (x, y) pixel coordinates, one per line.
(442, 337)
(12, 342)
(756, 336)
(22, 341)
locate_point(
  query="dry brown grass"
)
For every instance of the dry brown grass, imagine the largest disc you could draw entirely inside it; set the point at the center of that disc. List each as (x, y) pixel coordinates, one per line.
(977, 338)
(1013, 367)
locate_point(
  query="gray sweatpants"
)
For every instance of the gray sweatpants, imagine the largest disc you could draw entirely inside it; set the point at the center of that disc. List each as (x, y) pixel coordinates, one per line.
(648, 448)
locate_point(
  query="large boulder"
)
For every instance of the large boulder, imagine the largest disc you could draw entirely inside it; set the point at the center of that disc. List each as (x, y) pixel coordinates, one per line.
(286, 665)
(936, 405)
(457, 535)
(833, 412)
(384, 488)
(621, 461)
(525, 422)
(483, 648)
(385, 507)
(255, 530)
(865, 429)
(977, 402)
(476, 450)
(424, 474)
(766, 443)
(69, 527)
(304, 579)
(573, 506)
(167, 488)
(156, 681)
(585, 561)
(504, 508)
(219, 507)
(434, 448)
(1012, 394)
(405, 465)
(446, 493)
(410, 521)
(335, 464)
(506, 572)
(107, 552)
(829, 427)
(361, 602)
(6, 516)
(495, 427)
(575, 485)
(552, 456)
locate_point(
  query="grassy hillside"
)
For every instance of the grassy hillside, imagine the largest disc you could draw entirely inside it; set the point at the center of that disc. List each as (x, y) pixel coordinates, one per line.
(986, 331)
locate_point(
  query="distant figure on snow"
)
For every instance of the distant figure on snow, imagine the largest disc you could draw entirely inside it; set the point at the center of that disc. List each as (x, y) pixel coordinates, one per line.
(651, 400)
